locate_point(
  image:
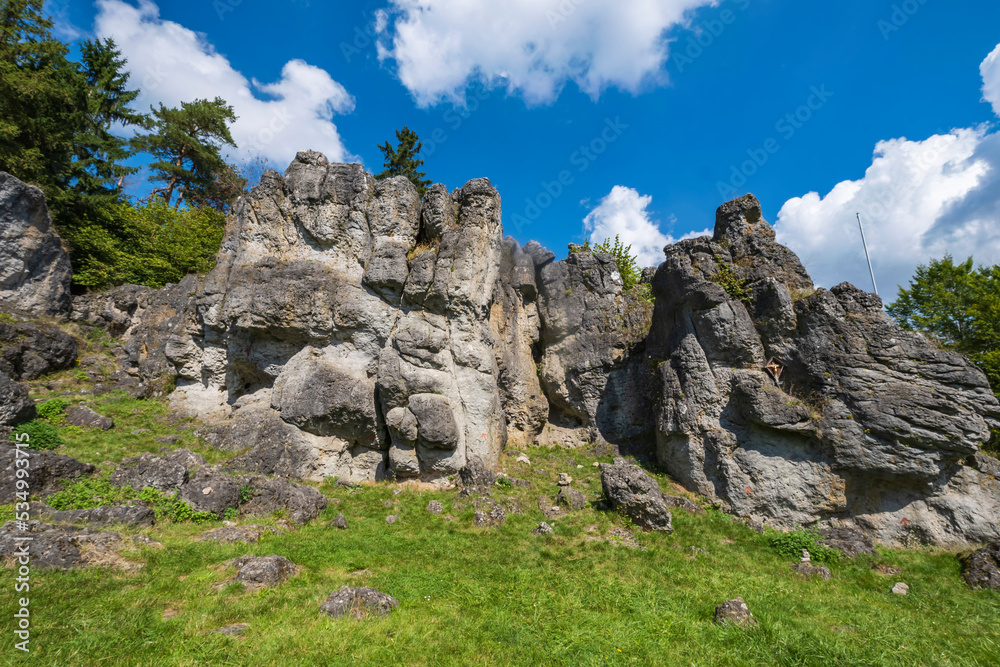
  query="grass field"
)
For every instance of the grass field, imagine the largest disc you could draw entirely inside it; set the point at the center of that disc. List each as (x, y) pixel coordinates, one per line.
(499, 596)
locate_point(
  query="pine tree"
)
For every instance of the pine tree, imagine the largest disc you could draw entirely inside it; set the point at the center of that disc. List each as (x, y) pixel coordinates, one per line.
(188, 143)
(403, 161)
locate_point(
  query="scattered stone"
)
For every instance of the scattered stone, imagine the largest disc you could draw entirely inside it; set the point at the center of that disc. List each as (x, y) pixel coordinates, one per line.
(229, 524)
(396, 492)
(475, 474)
(338, 522)
(886, 569)
(548, 509)
(65, 547)
(248, 534)
(805, 556)
(359, 603)
(435, 507)
(683, 503)
(848, 541)
(256, 572)
(901, 589)
(629, 489)
(489, 513)
(391, 519)
(735, 612)
(523, 458)
(981, 569)
(388, 503)
(168, 439)
(233, 630)
(347, 484)
(726, 541)
(81, 415)
(140, 431)
(543, 529)
(597, 464)
(621, 537)
(698, 551)
(809, 570)
(570, 497)
(564, 479)
(169, 613)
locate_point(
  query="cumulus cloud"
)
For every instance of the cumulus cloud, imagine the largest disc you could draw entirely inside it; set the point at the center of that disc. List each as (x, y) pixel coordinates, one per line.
(623, 213)
(532, 47)
(172, 64)
(919, 200)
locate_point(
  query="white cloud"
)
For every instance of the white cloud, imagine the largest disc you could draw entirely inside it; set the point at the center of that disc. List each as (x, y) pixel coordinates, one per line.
(623, 213)
(532, 47)
(172, 64)
(990, 70)
(919, 200)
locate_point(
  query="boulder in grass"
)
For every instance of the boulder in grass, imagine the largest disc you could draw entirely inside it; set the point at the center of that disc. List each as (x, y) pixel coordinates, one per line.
(735, 612)
(630, 490)
(359, 602)
(981, 569)
(81, 415)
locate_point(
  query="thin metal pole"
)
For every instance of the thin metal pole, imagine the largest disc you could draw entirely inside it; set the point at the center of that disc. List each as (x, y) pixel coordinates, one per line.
(867, 256)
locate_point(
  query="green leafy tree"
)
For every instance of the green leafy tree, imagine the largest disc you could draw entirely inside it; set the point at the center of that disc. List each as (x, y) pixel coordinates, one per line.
(187, 144)
(958, 306)
(402, 161)
(41, 98)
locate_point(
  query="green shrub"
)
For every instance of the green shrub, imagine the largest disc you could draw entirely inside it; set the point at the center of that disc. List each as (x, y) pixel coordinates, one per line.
(41, 435)
(790, 545)
(90, 493)
(52, 410)
(628, 266)
(735, 286)
(171, 507)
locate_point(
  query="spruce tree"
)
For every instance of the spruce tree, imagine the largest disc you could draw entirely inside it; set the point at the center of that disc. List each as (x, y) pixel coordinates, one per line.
(403, 161)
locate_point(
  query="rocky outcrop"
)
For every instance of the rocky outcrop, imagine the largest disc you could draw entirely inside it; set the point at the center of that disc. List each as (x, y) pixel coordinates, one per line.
(359, 603)
(35, 272)
(29, 350)
(65, 547)
(48, 473)
(794, 406)
(630, 490)
(16, 405)
(597, 386)
(981, 568)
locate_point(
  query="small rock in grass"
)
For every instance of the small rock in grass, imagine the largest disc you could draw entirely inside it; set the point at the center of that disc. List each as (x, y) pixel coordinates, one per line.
(812, 570)
(81, 415)
(886, 569)
(523, 458)
(900, 588)
(435, 507)
(735, 612)
(168, 439)
(338, 522)
(543, 529)
(256, 573)
(396, 492)
(230, 535)
(140, 431)
(564, 479)
(230, 630)
(359, 602)
(391, 519)
(981, 569)
(571, 498)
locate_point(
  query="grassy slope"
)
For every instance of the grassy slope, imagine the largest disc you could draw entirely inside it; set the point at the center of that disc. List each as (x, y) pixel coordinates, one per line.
(473, 596)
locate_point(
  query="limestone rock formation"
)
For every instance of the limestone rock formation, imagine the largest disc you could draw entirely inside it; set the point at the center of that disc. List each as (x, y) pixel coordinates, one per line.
(66, 547)
(48, 473)
(799, 406)
(35, 272)
(29, 350)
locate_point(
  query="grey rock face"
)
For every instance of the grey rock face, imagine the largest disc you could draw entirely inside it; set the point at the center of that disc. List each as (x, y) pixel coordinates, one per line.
(571, 498)
(808, 570)
(249, 534)
(981, 569)
(359, 603)
(29, 350)
(629, 489)
(259, 572)
(794, 407)
(301, 503)
(16, 405)
(165, 473)
(850, 542)
(597, 390)
(46, 472)
(35, 272)
(104, 516)
(81, 415)
(67, 547)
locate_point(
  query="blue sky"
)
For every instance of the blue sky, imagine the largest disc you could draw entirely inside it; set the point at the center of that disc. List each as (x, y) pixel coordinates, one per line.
(678, 100)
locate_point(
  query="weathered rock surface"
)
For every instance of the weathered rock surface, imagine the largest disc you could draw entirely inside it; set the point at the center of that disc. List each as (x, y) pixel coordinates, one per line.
(981, 569)
(359, 603)
(851, 543)
(735, 612)
(808, 570)
(630, 490)
(163, 473)
(596, 384)
(35, 272)
(47, 472)
(29, 350)
(65, 547)
(258, 572)
(129, 515)
(81, 415)
(248, 534)
(300, 503)
(796, 407)
(16, 406)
